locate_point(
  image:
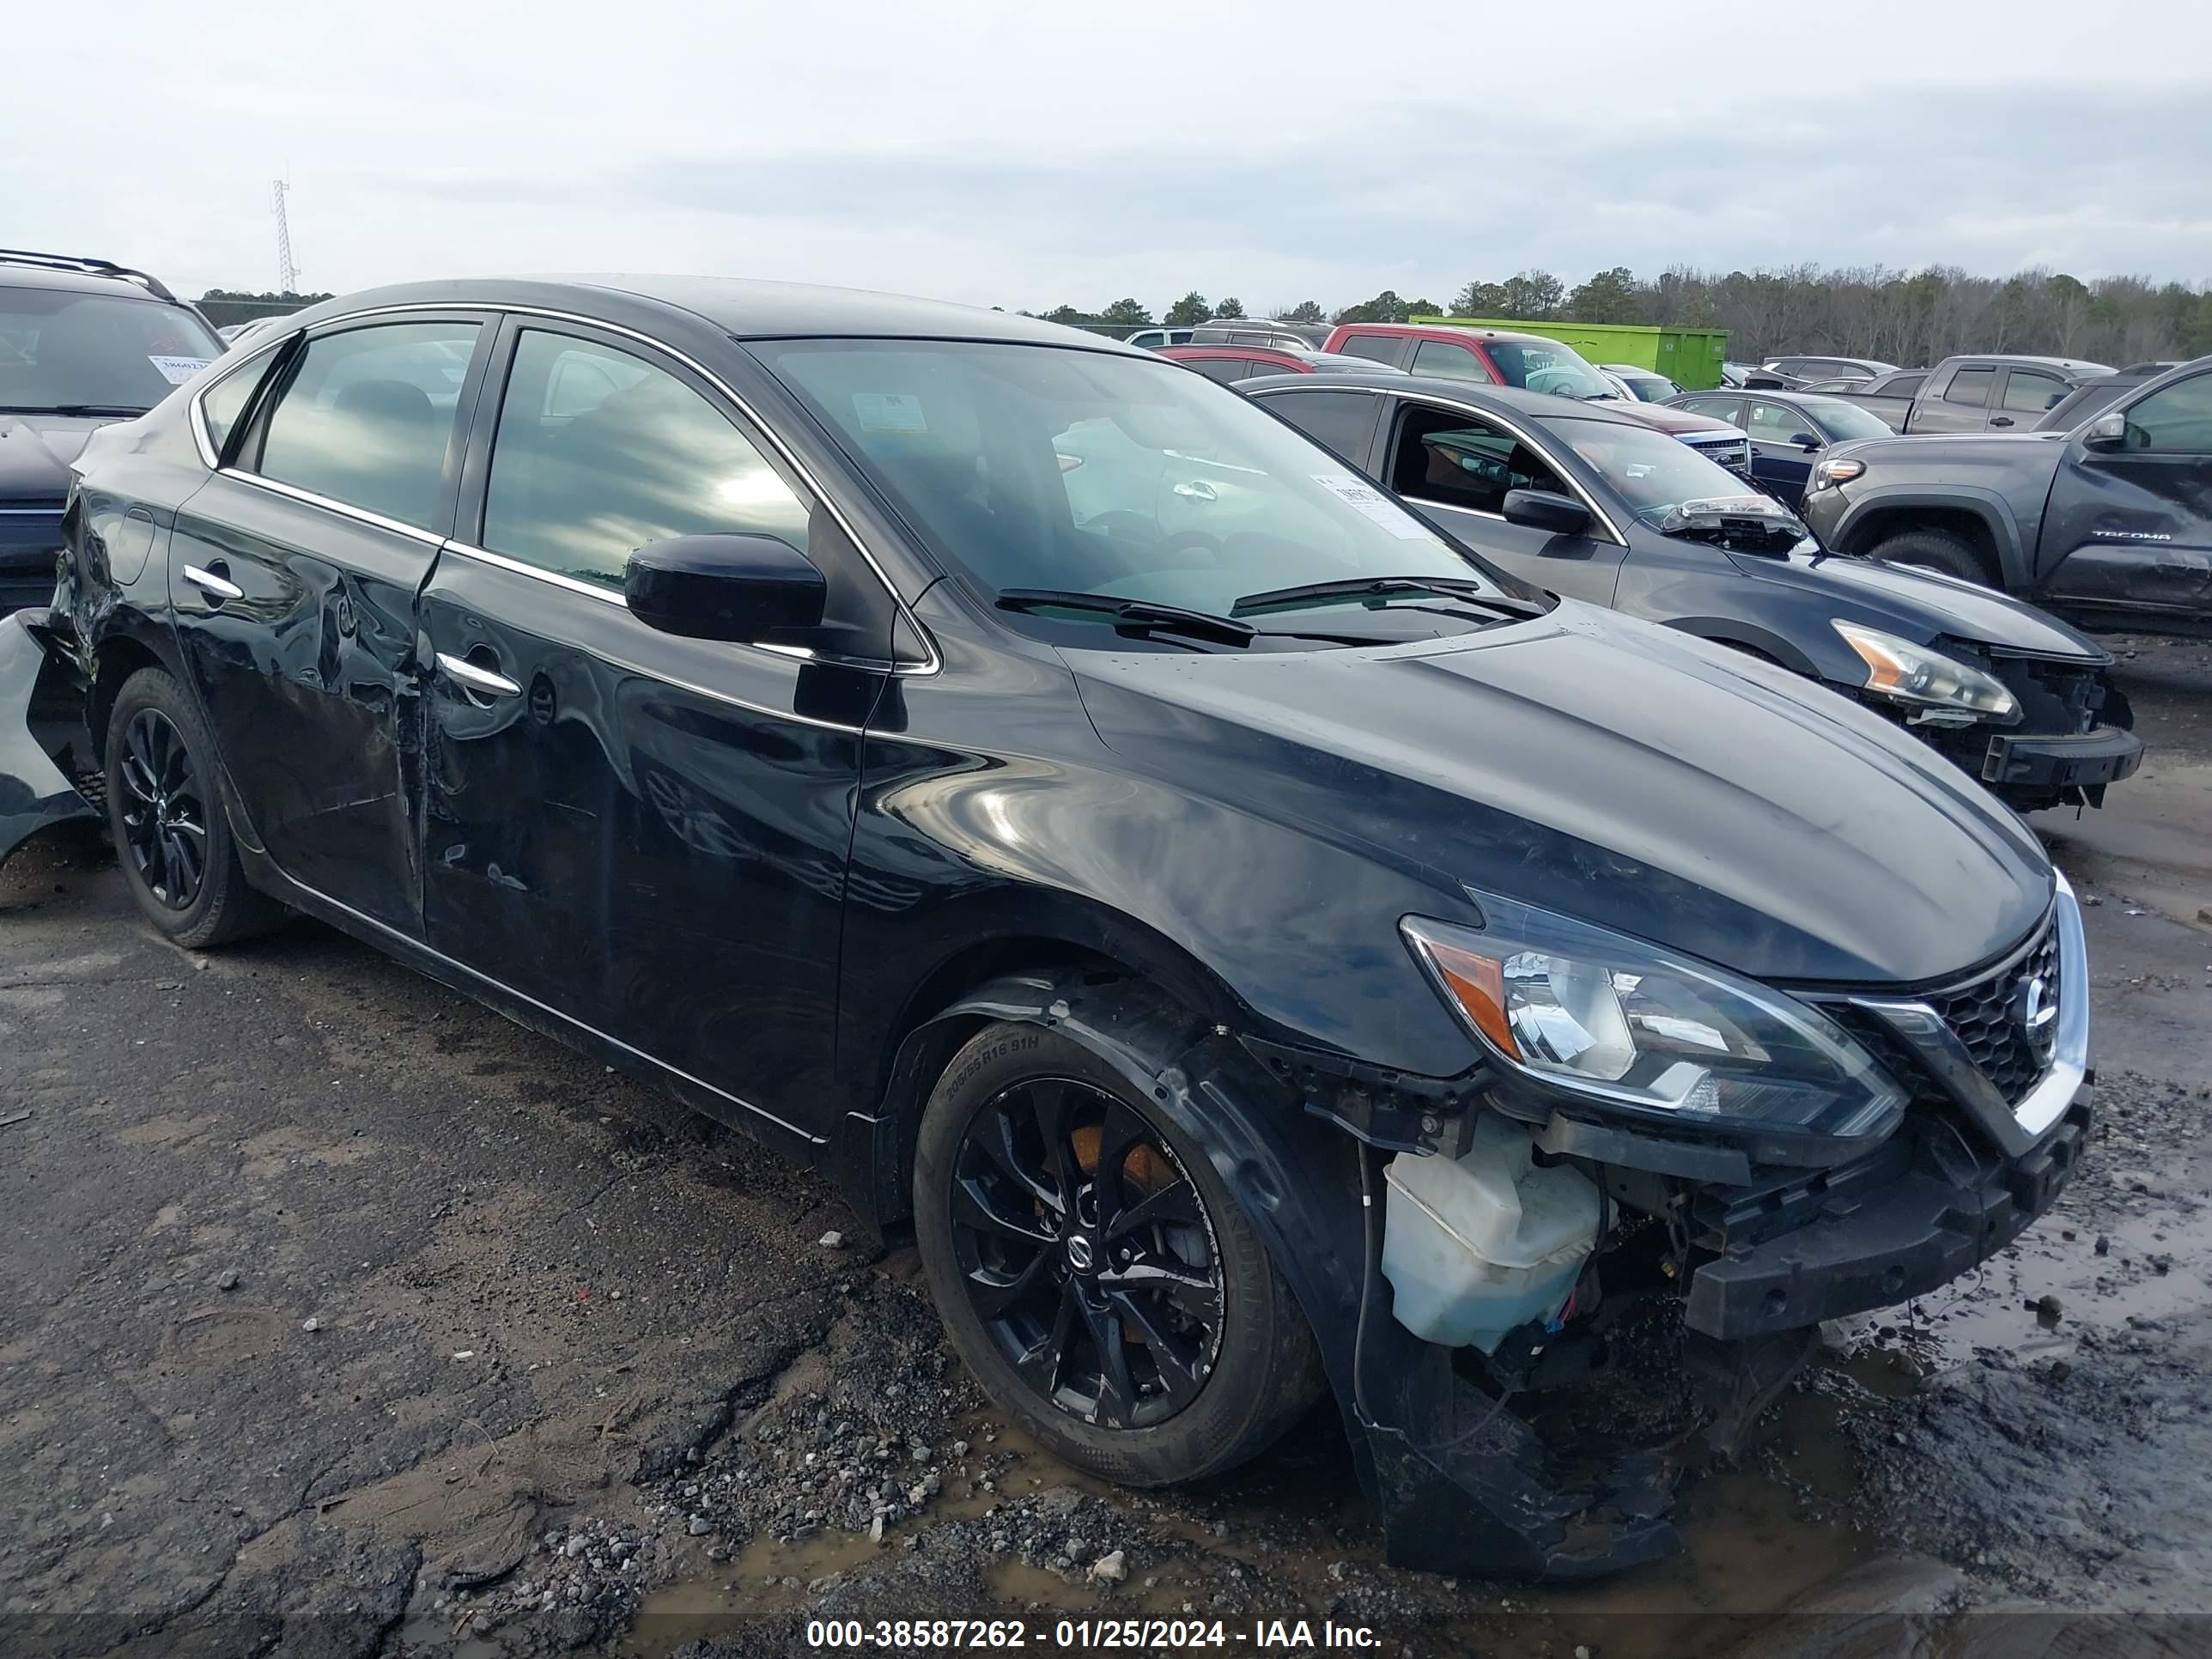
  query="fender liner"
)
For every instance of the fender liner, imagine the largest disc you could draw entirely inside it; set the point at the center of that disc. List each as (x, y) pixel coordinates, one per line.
(1987, 505)
(1479, 1501)
(39, 688)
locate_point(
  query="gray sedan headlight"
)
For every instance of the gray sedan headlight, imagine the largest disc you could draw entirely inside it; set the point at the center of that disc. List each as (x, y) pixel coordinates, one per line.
(1926, 678)
(1636, 1029)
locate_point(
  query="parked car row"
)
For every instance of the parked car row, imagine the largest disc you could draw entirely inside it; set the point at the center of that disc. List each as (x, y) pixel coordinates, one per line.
(1237, 876)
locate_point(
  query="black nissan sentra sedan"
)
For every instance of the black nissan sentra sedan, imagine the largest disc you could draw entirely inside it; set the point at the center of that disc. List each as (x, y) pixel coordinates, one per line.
(1259, 950)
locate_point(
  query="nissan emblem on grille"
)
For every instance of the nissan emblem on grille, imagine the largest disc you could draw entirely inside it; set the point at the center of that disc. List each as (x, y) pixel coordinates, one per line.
(2037, 1013)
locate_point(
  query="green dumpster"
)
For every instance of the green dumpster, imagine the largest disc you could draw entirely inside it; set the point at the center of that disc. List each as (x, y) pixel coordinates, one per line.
(1690, 357)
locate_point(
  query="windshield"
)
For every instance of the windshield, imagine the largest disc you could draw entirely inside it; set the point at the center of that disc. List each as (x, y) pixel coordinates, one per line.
(1044, 467)
(1547, 366)
(1842, 421)
(60, 350)
(1651, 471)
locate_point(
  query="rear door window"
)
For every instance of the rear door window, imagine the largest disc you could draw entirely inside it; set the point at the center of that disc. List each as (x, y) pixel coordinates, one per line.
(598, 453)
(366, 417)
(1377, 348)
(1339, 421)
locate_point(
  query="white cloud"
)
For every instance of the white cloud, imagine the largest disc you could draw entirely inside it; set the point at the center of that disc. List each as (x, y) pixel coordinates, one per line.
(1020, 155)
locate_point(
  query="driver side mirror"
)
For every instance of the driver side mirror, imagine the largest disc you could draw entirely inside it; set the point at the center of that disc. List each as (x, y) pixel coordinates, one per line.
(745, 589)
(1545, 509)
(1806, 441)
(2107, 432)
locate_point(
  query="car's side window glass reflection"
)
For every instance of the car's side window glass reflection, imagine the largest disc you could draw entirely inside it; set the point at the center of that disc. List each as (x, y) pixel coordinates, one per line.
(1448, 456)
(367, 415)
(598, 453)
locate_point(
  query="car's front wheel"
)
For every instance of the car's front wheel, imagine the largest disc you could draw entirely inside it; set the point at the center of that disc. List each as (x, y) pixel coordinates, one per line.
(1094, 1273)
(166, 813)
(1936, 549)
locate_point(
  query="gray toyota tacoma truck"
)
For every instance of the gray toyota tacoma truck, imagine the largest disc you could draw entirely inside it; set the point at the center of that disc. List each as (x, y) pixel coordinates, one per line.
(2109, 525)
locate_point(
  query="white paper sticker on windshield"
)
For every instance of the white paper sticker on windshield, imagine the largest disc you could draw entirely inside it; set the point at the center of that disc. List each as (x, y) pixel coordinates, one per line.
(1370, 502)
(178, 370)
(889, 411)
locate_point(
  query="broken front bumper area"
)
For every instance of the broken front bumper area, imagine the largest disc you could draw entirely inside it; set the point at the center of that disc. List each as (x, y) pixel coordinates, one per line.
(41, 716)
(2055, 767)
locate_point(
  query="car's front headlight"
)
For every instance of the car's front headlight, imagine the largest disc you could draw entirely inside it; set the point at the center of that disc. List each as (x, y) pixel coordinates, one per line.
(1635, 1028)
(1910, 673)
(1836, 470)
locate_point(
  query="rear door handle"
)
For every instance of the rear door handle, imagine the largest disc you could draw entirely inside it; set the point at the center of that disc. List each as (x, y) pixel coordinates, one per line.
(2000, 420)
(1197, 490)
(484, 682)
(216, 584)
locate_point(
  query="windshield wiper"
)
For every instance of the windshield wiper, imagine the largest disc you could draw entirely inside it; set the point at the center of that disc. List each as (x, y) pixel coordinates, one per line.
(1360, 587)
(1131, 616)
(74, 410)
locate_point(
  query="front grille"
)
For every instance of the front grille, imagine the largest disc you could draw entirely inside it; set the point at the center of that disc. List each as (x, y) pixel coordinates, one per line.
(1990, 1017)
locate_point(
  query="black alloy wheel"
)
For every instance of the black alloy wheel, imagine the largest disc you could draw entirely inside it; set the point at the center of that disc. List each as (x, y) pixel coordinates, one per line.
(1086, 1251)
(1094, 1269)
(164, 811)
(164, 808)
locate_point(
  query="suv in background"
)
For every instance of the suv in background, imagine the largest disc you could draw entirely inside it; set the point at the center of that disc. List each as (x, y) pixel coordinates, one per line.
(1497, 356)
(83, 342)
(1829, 368)
(1151, 339)
(1230, 364)
(1259, 331)
(2109, 524)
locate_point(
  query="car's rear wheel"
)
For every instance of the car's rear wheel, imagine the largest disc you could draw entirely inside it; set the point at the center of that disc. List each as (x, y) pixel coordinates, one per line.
(1936, 549)
(1094, 1273)
(165, 810)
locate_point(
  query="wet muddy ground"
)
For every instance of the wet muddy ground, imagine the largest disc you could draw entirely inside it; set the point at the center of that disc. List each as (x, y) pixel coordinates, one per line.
(340, 1316)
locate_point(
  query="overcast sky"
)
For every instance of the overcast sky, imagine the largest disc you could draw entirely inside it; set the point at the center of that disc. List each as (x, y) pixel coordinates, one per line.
(1027, 154)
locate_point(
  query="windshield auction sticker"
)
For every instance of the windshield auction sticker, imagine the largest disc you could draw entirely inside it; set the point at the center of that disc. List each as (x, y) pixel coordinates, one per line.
(1370, 502)
(889, 411)
(178, 370)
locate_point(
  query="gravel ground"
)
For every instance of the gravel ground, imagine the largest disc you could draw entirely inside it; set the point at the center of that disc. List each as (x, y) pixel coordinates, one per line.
(343, 1317)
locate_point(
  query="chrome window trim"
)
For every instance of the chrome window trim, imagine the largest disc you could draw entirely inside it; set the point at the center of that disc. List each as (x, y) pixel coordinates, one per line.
(201, 437)
(1484, 414)
(361, 515)
(935, 660)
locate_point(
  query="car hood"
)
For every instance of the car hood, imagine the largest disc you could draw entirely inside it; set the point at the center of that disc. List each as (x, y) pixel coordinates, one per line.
(1951, 448)
(1670, 421)
(35, 453)
(1609, 769)
(1922, 604)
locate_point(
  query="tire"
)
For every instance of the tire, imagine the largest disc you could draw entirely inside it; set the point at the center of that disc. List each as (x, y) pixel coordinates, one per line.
(1936, 549)
(165, 812)
(1243, 1379)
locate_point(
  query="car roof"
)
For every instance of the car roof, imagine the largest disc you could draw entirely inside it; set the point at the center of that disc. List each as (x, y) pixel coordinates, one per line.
(1446, 331)
(743, 308)
(1503, 399)
(2074, 364)
(76, 281)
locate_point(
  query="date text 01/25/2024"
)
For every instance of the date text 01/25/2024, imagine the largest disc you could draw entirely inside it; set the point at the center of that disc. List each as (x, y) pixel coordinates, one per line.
(1082, 1635)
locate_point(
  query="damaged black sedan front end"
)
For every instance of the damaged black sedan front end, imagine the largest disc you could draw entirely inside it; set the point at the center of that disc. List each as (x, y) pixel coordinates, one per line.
(42, 744)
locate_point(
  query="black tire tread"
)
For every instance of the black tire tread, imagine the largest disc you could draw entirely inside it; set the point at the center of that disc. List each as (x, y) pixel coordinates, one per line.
(1936, 549)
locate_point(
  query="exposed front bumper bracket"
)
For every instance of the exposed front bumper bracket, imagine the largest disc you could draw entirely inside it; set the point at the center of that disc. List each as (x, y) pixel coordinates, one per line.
(34, 791)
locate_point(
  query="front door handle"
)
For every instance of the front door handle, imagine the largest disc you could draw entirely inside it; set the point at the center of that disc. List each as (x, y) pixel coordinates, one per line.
(1197, 490)
(471, 676)
(216, 584)
(2000, 420)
